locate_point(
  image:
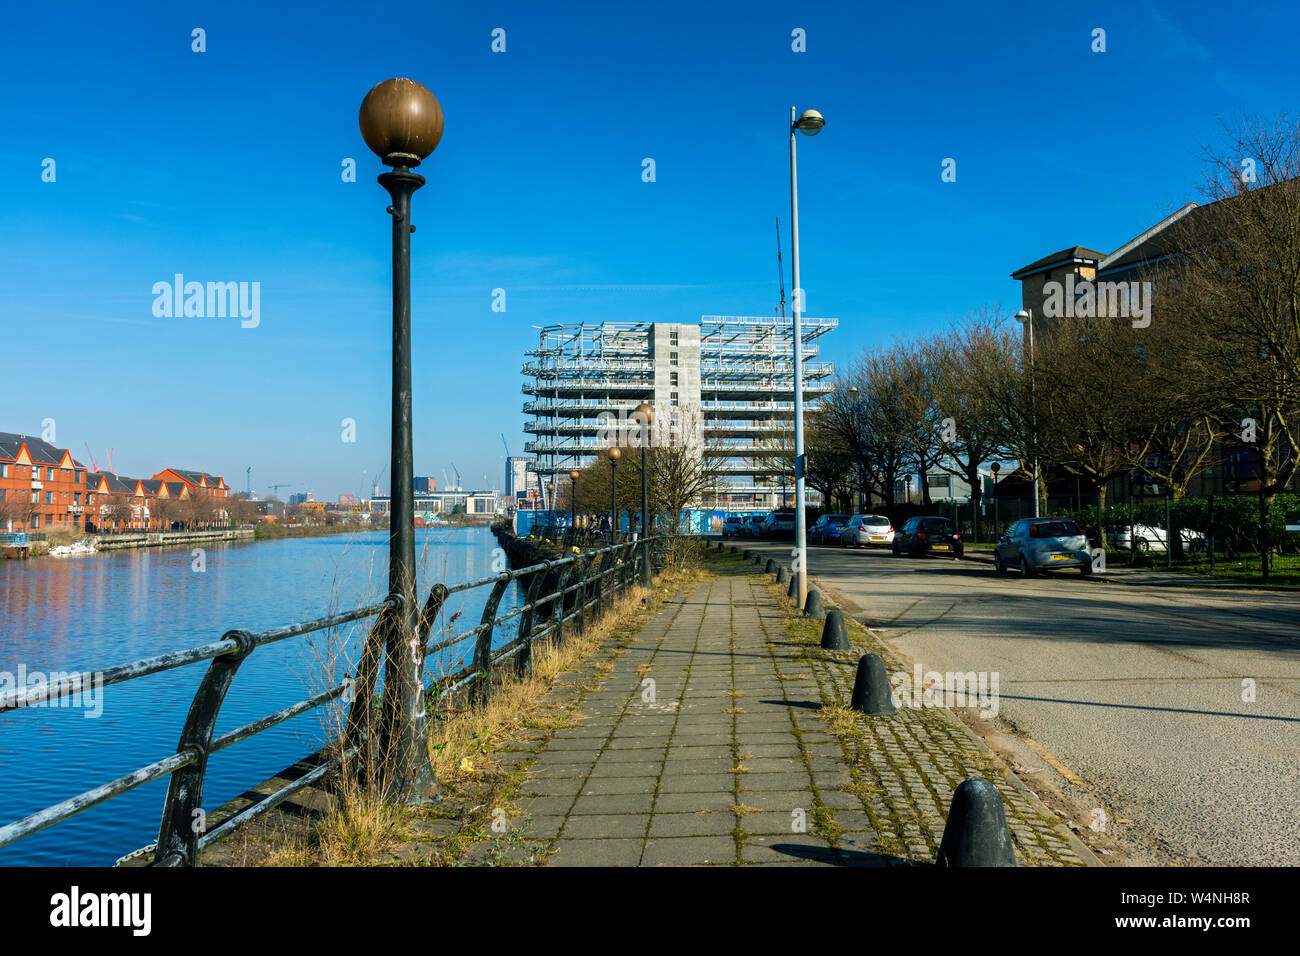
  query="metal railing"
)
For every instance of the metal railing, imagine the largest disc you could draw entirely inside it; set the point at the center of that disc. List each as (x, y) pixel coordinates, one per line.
(582, 585)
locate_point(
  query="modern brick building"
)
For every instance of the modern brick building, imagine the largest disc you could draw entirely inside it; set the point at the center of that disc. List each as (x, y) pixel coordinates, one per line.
(197, 483)
(41, 487)
(1236, 468)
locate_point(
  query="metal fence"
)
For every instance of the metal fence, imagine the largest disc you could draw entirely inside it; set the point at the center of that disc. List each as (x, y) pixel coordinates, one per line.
(582, 584)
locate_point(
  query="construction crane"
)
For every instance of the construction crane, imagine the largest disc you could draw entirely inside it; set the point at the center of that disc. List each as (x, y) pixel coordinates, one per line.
(503, 442)
(275, 489)
(457, 471)
(249, 483)
(89, 454)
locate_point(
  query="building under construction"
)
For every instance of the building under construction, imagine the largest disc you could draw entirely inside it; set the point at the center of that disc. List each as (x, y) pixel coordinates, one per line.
(725, 385)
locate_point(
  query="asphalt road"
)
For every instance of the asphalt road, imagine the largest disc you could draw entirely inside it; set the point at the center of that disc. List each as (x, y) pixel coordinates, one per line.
(1131, 695)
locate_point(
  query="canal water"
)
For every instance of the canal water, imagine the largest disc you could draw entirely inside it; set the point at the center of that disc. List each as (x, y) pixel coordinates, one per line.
(95, 611)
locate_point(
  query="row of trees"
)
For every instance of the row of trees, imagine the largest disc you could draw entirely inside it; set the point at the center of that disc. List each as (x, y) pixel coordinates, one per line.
(678, 474)
(1214, 374)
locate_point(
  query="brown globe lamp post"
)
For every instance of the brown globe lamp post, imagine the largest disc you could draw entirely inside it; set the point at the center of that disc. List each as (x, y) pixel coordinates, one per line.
(401, 122)
(573, 497)
(614, 455)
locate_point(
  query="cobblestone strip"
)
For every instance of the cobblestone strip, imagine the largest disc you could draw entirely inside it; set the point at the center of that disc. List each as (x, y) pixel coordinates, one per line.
(905, 768)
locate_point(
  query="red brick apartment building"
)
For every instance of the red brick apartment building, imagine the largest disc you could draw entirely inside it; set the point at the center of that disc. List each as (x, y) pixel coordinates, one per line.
(45, 488)
(40, 486)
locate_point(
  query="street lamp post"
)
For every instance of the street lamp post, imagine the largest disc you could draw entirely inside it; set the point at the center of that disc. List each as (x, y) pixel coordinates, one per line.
(907, 489)
(614, 455)
(401, 121)
(1026, 317)
(646, 410)
(550, 511)
(810, 124)
(995, 468)
(862, 498)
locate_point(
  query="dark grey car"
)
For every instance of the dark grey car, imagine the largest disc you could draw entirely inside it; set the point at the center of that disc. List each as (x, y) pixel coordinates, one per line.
(1036, 544)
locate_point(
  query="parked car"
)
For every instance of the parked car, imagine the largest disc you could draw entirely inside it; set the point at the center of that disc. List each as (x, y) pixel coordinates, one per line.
(778, 524)
(731, 526)
(751, 527)
(1149, 538)
(1035, 544)
(869, 530)
(827, 529)
(928, 534)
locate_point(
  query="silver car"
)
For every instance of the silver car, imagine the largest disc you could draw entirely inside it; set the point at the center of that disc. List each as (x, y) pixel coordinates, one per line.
(1036, 544)
(868, 530)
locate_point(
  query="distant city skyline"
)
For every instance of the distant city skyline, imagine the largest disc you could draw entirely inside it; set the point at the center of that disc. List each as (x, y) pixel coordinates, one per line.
(245, 173)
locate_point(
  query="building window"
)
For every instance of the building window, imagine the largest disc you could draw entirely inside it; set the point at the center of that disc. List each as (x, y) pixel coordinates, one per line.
(672, 337)
(49, 497)
(672, 358)
(4, 471)
(672, 398)
(674, 379)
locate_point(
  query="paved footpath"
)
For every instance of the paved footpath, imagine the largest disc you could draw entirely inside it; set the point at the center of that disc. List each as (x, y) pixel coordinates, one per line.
(705, 743)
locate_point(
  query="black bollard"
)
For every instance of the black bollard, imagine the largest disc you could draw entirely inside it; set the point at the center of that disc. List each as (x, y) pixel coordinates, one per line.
(770, 567)
(793, 590)
(812, 605)
(834, 635)
(758, 557)
(747, 555)
(871, 694)
(781, 576)
(976, 833)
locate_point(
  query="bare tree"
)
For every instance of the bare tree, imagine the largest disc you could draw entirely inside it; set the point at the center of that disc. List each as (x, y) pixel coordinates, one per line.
(680, 469)
(966, 364)
(921, 399)
(885, 419)
(15, 509)
(1233, 292)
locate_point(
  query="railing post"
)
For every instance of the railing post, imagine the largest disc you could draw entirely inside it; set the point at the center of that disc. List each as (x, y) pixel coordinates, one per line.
(523, 659)
(606, 562)
(553, 606)
(428, 614)
(584, 588)
(183, 816)
(357, 727)
(483, 647)
(631, 559)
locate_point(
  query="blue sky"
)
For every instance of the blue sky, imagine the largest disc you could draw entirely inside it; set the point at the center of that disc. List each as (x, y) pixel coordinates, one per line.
(225, 166)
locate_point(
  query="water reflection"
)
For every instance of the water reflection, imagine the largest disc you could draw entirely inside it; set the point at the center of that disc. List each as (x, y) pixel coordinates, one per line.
(99, 610)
